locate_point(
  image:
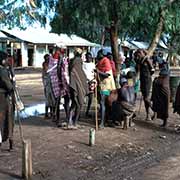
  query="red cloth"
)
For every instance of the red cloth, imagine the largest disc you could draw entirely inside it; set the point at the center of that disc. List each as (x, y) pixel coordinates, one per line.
(56, 55)
(11, 61)
(104, 65)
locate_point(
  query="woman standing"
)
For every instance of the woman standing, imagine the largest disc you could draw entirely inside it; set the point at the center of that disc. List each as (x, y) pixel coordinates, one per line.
(49, 96)
(106, 81)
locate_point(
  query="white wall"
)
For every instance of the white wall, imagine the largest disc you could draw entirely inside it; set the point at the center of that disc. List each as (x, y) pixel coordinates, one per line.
(24, 54)
(38, 57)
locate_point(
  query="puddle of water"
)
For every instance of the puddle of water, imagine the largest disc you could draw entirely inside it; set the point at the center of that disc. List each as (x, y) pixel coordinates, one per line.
(34, 110)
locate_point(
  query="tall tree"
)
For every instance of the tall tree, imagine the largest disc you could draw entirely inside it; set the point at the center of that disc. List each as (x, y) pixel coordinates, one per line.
(88, 19)
(164, 13)
(135, 19)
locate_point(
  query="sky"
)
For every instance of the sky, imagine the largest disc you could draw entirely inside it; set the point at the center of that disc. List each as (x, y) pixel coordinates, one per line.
(15, 4)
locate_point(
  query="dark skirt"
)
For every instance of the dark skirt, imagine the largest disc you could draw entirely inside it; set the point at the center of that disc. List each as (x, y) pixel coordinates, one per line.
(161, 97)
(145, 85)
(6, 117)
(177, 101)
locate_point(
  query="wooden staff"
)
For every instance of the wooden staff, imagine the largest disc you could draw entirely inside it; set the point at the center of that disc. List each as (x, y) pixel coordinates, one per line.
(26, 144)
(26, 153)
(96, 111)
(141, 98)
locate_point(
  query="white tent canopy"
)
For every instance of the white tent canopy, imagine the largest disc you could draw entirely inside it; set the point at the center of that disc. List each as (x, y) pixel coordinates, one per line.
(128, 44)
(140, 44)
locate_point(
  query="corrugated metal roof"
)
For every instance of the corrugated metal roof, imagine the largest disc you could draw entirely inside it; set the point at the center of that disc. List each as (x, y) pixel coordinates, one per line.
(34, 36)
(40, 36)
(2, 35)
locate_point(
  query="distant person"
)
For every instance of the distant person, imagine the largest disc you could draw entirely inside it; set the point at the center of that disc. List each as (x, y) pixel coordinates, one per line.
(146, 71)
(161, 96)
(6, 105)
(89, 67)
(49, 96)
(154, 59)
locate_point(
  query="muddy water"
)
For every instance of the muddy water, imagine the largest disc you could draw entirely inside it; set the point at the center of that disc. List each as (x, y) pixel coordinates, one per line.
(34, 110)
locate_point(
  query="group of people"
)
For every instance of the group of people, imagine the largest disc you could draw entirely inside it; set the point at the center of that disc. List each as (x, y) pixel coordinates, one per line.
(64, 78)
(74, 80)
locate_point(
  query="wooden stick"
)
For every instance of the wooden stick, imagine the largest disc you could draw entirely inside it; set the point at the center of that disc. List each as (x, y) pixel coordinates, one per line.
(26, 160)
(26, 153)
(140, 104)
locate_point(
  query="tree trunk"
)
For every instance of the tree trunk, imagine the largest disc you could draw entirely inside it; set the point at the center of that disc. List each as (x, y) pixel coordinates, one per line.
(157, 34)
(114, 38)
(115, 51)
(159, 28)
(114, 45)
(114, 34)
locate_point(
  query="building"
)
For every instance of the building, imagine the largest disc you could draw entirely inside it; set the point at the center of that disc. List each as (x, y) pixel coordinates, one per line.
(29, 47)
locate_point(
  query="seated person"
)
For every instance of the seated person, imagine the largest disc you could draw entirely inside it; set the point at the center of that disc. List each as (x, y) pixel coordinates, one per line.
(123, 108)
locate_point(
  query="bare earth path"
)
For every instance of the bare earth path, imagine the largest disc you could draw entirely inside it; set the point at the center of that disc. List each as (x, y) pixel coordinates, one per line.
(143, 152)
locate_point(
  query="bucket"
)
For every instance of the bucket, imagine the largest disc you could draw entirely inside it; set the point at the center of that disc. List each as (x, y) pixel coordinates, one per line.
(174, 82)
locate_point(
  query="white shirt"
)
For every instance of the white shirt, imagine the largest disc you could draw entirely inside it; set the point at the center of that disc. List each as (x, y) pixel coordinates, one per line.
(88, 68)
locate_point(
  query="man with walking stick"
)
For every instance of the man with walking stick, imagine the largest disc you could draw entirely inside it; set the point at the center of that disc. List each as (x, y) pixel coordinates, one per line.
(7, 104)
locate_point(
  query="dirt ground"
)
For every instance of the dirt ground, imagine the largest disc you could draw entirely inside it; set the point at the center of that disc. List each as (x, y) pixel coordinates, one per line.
(58, 154)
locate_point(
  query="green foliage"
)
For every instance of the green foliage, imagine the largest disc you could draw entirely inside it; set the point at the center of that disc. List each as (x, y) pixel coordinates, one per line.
(22, 13)
(172, 27)
(135, 19)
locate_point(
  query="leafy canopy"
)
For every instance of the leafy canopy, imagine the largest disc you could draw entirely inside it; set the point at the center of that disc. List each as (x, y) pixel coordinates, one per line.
(22, 13)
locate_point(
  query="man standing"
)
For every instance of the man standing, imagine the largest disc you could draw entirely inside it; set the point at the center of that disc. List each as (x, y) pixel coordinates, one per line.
(6, 105)
(146, 71)
(78, 88)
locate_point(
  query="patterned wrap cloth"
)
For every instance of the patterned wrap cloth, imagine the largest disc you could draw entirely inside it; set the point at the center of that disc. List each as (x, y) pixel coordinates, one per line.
(63, 74)
(54, 76)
